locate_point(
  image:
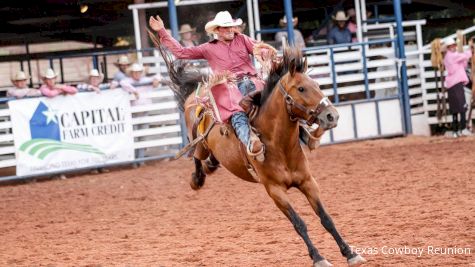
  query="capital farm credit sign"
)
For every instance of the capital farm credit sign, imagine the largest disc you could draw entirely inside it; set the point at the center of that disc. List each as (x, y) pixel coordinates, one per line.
(68, 132)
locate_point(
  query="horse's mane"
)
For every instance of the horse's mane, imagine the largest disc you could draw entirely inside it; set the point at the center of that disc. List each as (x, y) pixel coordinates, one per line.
(184, 79)
(292, 61)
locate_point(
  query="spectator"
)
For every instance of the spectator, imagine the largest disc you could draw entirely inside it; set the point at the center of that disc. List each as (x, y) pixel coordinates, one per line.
(339, 34)
(299, 41)
(20, 88)
(122, 64)
(186, 34)
(352, 24)
(136, 79)
(129, 84)
(51, 89)
(95, 83)
(455, 63)
(241, 28)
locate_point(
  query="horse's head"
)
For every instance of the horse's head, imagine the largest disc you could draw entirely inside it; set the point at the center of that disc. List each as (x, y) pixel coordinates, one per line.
(302, 95)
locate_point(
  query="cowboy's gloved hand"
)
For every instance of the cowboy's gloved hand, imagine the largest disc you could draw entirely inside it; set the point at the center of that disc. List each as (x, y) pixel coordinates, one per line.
(155, 23)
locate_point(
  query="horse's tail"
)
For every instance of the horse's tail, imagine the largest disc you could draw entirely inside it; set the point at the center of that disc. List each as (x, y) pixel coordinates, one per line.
(183, 81)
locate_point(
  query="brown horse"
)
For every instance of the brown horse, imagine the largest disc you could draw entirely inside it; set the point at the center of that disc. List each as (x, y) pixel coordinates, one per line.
(290, 95)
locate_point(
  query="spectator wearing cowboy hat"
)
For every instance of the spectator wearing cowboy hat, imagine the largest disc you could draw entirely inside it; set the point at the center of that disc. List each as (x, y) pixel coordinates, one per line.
(228, 53)
(339, 34)
(122, 64)
(280, 36)
(186, 34)
(20, 88)
(51, 89)
(455, 63)
(130, 85)
(95, 83)
(137, 78)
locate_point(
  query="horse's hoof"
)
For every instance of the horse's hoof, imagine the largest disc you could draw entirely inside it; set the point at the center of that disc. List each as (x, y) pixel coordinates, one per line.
(322, 263)
(197, 181)
(356, 261)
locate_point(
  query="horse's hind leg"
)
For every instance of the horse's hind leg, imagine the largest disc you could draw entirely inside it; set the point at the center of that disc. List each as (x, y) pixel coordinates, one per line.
(211, 164)
(310, 189)
(197, 177)
(281, 199)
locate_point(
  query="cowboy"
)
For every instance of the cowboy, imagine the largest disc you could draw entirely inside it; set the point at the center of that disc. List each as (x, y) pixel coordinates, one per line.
(95, 83)
(280, 36)
(20, 88)
(51, 89)
(186, 34)
(122, 64)
(228, 53)
(339, 34)
(455, 63)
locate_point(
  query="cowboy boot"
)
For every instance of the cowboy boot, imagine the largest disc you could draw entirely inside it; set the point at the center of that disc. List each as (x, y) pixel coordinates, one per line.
(256, 148)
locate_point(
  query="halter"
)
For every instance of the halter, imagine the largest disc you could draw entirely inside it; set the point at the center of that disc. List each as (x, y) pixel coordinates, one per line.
(312, 114)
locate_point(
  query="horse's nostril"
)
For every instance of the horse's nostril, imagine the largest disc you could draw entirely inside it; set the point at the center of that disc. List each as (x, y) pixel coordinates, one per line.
(330, 117)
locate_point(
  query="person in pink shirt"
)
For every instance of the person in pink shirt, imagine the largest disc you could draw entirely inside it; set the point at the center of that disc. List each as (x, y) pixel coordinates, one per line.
(51, 89)
(230, 52)
(455, 64)
(352, 23)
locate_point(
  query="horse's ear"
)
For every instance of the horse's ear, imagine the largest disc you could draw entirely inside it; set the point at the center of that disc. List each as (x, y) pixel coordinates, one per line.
(292, 67)
(305, 65)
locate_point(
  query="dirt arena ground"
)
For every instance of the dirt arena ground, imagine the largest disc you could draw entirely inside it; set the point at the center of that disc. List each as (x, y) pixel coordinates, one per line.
(384, 195)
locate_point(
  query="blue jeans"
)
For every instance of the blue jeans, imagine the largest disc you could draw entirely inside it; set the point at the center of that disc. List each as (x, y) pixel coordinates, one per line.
(246, 86)
(240, 123)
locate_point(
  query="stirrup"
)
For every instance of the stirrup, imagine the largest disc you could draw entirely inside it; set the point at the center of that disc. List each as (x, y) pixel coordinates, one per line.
(259, 156)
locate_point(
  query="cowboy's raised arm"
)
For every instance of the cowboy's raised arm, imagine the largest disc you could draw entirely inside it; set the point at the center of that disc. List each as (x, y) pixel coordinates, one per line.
(175, 47)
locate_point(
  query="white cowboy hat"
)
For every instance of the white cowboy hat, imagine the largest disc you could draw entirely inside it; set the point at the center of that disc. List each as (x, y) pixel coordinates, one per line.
(95, 73)
(340, 16)
(448, 42)
(49, 74)
(20, 76)
(283, 21)
(122, 60)
(136, 67)
(186, 28)
(222, 19)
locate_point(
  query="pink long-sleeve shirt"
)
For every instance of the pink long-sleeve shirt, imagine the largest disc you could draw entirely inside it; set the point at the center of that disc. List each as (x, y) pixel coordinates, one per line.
(52, 92)
(455, 64)
(234, 57)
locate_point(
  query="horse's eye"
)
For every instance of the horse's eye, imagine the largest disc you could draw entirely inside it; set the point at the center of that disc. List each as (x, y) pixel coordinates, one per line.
(301, 89)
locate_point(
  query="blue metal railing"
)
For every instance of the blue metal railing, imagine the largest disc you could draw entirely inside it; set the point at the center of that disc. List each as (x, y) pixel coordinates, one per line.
(332, 50)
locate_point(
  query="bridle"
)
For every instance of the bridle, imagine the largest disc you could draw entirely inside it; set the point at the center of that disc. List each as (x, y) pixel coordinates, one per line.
(311, 114)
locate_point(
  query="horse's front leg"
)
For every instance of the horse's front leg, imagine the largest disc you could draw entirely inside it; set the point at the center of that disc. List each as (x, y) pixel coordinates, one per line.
(279, 195)
(310, 189)
(198, 177)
